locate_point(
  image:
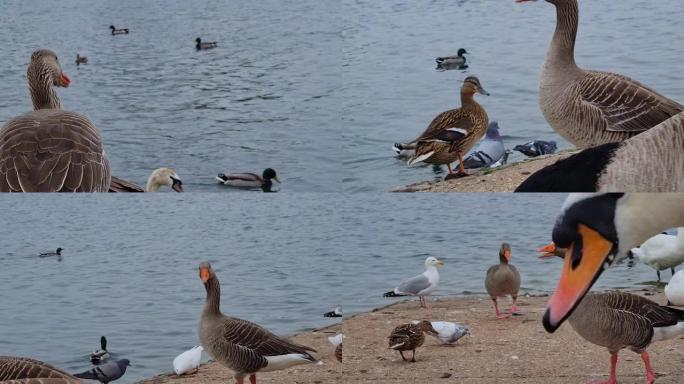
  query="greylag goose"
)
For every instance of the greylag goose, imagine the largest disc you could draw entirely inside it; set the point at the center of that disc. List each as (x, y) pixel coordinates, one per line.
(50, 149)
(200, 45)
(648, 162)
(81, 60)
(503, 279)
(453, 133)
(57, 252)
(336, 341)
(101, 355)
(590, 108)
(662, 251)
(619, 320)
(188, 361)
(453, 62)
(120, 31)
(106, 372)
(599, 229)
(244, 347)
(22, 368)
(421, 285)
(160, 177)
(408, 337)
(250, 180)
(536, 148)
(448, 333)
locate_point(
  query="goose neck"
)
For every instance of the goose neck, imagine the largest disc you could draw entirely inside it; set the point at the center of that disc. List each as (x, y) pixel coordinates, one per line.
(213, 302)
(562, 49)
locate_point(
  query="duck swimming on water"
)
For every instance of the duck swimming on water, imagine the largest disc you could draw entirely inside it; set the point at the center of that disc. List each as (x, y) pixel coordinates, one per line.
(250, 180)
(200, 45)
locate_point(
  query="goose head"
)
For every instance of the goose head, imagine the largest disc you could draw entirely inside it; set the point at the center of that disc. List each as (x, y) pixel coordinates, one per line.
(505, 253)
(164, 177)
(206, 273)
(597, 230)
(44, 72)
(471, 85)
(461, 52)
(433, 262)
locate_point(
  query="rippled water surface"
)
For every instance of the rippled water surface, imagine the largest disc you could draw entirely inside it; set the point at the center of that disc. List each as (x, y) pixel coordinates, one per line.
(392, 91)
(266, 97)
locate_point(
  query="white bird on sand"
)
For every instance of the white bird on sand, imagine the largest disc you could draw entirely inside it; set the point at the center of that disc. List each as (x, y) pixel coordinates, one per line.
(674, 290)
(421, 285)
(662, 251)
(188, 361)
(336, 341)
(448, 332)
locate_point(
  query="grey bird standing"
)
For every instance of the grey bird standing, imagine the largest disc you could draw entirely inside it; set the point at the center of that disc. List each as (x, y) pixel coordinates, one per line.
(488, 151)
(106, 372)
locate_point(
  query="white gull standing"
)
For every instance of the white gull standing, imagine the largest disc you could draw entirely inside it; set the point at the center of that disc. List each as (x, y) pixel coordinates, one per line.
(421, 285)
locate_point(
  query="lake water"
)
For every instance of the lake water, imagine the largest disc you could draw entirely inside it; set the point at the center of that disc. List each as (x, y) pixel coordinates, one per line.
(129, 269)
(392, 91)
(266, 97)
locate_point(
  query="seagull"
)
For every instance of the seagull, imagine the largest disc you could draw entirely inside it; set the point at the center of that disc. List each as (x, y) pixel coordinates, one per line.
(101, 354)
(662, 251)
(421, 285)
(188, 361)
(106, 372)
(337, 312)
(336, 341)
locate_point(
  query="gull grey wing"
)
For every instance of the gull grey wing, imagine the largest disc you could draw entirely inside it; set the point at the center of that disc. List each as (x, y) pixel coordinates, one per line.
(413, 285)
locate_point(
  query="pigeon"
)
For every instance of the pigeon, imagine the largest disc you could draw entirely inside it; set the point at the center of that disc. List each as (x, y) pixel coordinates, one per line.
(536, 148)
(188, 361)
(101, 355)
(106, 372)
(448, 332)
(488, 151)
(337, 312)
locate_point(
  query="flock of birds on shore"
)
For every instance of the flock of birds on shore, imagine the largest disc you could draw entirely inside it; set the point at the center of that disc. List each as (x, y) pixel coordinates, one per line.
(54, 150)
(631, 137)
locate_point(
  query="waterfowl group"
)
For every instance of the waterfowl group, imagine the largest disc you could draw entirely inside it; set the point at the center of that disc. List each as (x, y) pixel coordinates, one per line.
(244, 347)
(199, 45)
(118, 31)
(50, 149)
(421, 285)
(250, 180)
(453, 133)
(408, 337)
(457, 61)
(503, 279)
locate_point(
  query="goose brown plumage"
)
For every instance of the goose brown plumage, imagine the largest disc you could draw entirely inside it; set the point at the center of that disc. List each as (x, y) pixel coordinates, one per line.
(50, 149)
(23, 369)
(408, 337)
(590, 108)
(503, 279)
(244, 347)
(453, 133)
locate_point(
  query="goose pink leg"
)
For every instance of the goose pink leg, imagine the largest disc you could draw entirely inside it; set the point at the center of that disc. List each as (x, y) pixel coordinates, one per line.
(612, 379)
(496, 310)
(650, 375)
(514, 308)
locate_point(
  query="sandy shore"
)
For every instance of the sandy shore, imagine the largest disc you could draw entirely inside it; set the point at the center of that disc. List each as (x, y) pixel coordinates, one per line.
(512, 351)
(501, 179)
(329, 371)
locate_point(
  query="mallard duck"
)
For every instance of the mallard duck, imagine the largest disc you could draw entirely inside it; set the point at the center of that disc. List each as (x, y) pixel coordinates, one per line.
(503, 279)
(590, 108)
(453, 133)
(58, 252)
(122, 31)
(81, 60)
(421, 285)
(452, 62)
(408, 337)
(249, 180)
(101, 355)
(200, 45)
(50, 149)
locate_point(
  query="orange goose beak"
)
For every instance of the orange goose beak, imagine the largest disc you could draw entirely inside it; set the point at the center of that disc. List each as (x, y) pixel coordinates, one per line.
(547, 251)
(583, 264)
(204, 274)
(64, 80)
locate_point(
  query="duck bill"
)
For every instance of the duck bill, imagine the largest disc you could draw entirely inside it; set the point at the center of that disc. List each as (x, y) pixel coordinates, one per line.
(64, 80)
(482, 91)
(547, 251)
(584, 262)
(276, 179)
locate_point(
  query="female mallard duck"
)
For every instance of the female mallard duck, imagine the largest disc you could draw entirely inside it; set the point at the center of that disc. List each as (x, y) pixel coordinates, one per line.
(200, 45)
(81, 60)
(408, 337)
(451, 62)
(250, 180)
(122, 31)
(50, 149)
(503, 279)
(589, 108)
(244, 347)
(160, 177)
(453, 133)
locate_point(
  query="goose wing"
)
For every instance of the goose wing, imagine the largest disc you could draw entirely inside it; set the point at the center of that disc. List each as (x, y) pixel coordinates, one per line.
(260, 341)
(51, 151)
(121, 185)
(626, 104)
